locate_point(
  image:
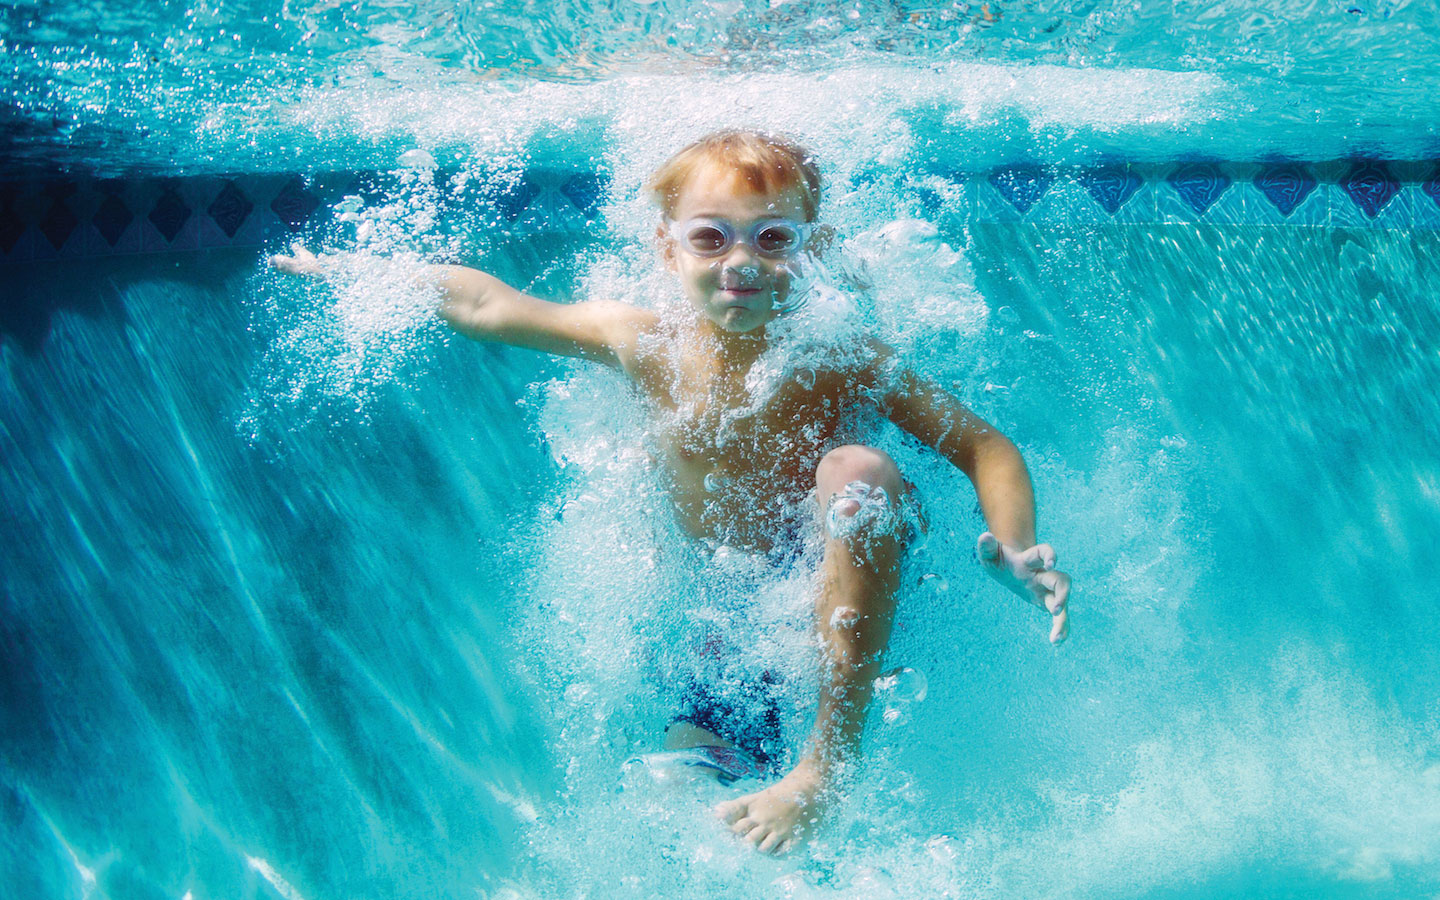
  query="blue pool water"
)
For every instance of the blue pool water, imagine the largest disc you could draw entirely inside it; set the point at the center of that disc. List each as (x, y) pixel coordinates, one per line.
(305, 598)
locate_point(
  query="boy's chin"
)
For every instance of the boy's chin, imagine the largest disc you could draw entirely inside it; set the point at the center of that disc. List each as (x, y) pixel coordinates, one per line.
(742, 321)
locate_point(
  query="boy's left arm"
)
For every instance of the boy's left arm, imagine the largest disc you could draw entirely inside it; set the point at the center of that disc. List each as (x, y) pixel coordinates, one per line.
(1007, 551)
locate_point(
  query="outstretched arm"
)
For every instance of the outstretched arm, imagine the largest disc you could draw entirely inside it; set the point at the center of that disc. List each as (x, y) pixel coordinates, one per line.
(1007, 551)
(483, 307)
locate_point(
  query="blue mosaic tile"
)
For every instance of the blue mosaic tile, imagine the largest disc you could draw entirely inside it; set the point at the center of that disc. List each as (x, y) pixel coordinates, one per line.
(1022, 186)
(1286, 186)
(1200, 185)
(988, 206)
(112, 218)
(230, 209)
(1067, 204)
(585, 190)
(58, 223)
(1110, 186)
(511, 196)
(1431, 186)
(1370, 186)
(294, 204)
(11, 225)
(940, 197)
(170, 214)
(1423, 211)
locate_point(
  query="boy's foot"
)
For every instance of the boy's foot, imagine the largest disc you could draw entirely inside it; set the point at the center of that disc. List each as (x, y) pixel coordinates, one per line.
(726, 765)
(776, 819)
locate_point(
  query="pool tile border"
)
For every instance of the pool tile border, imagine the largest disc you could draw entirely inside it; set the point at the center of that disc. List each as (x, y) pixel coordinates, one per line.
(71, 218)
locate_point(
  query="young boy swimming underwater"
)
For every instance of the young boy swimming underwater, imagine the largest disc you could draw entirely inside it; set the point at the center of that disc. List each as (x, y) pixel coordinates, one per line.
(739, 214)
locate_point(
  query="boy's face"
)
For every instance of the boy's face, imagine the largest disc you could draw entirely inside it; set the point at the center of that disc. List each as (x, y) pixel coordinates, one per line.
(739, 290)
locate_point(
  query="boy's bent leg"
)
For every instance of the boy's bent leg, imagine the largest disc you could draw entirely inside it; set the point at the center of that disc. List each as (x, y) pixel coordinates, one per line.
(854, 610)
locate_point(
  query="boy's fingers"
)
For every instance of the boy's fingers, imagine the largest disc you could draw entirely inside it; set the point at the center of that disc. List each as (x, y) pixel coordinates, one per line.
(1057, 587)
(988, 549)
(771, 842)
(1036, 559)
(1057, 602)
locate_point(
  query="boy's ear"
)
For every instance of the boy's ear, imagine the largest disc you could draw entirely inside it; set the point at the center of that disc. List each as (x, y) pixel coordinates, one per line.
(666, 245)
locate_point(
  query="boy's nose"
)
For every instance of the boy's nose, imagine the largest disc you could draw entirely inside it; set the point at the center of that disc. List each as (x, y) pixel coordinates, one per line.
(740, 256)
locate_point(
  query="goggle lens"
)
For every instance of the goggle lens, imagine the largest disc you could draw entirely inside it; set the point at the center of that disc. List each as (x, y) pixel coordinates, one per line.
(707, 240)
(775, 239)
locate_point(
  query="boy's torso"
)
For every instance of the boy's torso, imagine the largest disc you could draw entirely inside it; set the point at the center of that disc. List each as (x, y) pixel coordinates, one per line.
(740, 466)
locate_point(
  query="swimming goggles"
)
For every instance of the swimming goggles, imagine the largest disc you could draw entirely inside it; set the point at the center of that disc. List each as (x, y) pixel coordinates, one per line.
(770, 238)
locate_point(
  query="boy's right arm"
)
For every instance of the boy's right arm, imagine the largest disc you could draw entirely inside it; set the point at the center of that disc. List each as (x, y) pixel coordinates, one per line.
(483, 307)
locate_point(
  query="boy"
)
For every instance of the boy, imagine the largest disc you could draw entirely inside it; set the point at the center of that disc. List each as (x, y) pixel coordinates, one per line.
(739, 210)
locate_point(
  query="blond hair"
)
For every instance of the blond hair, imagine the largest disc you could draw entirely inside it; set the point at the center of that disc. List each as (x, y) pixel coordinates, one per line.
(767, 163)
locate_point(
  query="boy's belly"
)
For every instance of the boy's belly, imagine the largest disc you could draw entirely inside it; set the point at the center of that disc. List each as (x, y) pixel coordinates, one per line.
(747, 509)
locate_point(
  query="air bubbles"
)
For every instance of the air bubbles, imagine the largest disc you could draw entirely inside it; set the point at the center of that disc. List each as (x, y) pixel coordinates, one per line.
(897, 691)
(844, 618)
(941, 848)
(715, 482)
(417, 159)
(855, 508)
(934, 582)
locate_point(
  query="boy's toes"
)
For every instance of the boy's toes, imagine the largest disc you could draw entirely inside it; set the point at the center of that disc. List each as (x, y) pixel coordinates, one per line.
(730, 811)
(745, 828)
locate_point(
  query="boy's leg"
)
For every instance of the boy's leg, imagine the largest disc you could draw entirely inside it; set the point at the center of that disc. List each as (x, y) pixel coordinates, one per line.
(684, 735)
(854, 609)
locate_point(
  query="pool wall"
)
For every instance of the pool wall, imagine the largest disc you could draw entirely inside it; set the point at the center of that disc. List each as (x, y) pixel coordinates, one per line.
(67, 218)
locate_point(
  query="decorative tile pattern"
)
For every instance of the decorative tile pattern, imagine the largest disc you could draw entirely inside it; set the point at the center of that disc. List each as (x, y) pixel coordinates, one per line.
(1110, 186)
(1022, 186)
(11, 225)
(59, 220)
(65, 219)
(170, 214)
(585, 190)
(112, 218)
(512, 196)
(1431, 186)
(1370, 185)
(1200, 185)
(294, 204)
(230, 209)
(1286, 186)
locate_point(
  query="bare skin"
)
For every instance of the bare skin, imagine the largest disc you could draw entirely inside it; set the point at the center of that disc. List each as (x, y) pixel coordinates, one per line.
(767, 456)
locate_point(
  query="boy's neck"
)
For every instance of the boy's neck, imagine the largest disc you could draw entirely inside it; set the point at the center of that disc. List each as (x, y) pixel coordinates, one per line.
(735, 351)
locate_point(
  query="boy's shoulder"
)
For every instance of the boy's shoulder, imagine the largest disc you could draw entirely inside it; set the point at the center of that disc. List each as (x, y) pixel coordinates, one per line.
(626, 329)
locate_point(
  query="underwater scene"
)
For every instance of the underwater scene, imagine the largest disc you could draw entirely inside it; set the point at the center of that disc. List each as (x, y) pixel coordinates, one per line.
(303, 595)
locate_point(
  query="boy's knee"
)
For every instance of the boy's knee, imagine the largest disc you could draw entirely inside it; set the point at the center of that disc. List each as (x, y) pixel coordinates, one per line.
(856, 462)
(861, 487)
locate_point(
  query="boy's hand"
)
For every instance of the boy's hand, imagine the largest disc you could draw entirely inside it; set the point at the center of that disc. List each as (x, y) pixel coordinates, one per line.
(1031, 574)
(299, 262)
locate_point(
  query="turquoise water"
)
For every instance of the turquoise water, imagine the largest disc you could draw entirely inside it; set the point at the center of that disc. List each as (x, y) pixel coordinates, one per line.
(304, 597)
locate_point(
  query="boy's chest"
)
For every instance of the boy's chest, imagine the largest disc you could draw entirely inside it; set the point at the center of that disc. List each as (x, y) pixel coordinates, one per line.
(722, 423)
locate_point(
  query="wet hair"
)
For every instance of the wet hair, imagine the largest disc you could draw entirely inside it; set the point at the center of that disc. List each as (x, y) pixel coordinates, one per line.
(768, 163)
